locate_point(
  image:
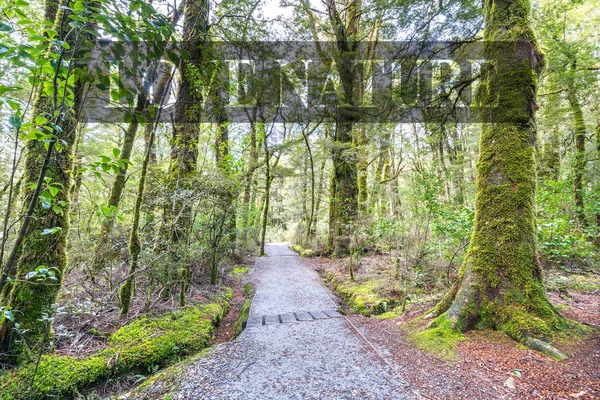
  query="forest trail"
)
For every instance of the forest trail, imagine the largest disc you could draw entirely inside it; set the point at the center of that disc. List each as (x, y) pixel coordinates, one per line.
(295, 346)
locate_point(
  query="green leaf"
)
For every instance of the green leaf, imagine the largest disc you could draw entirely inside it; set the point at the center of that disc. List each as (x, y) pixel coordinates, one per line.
(14, 121)
(53, 191)
(5, 27)
(31, 274)
(9, 315)
(116, 152)
(51, 231)
(40, 120)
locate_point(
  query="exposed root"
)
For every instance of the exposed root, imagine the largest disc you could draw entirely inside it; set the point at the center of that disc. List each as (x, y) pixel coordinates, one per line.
(543, 347)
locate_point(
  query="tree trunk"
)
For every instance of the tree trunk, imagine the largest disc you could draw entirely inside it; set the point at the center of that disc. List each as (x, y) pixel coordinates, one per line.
(177, 216)
(457, 159)
(102, 252)
(551, 165)
(361, 166)
(344, 188)
(252, 165)
(31, 298)
(265, 213)
(580, 157)
(500, 283)
(311, 216)
(126, 290)
(598, 153)
(223, 162)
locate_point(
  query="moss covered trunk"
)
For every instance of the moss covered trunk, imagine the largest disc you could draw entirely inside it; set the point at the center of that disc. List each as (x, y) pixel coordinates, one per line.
(102, 252)
(500, 283)
(580, 157)
(177, 212)
(598, 152)
(223, 161)
(152, 117)
(34, 296)
(251, 166)
(344, 194)
(551, 160)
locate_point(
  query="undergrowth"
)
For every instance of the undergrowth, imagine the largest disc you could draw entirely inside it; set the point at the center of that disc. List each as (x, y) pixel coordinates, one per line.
(149, 342)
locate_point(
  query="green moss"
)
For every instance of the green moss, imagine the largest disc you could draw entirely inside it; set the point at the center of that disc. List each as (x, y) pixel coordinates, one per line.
(389, 314)
(162, 385)
(367, 297)
(439, 339)
(303, 251)
(237, 273)
(245, 311)
(147, 342)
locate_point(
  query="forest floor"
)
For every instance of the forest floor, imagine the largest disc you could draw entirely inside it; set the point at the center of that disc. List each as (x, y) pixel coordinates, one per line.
(486, 364)
(295, 346)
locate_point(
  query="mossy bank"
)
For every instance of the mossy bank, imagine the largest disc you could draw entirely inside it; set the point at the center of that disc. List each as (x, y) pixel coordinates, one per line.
(148, 342)
(367, 297)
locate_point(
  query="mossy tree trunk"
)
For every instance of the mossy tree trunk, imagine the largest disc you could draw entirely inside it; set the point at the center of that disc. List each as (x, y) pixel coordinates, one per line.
(598, 153)
(251, 166)
(269, 177)
(580, 156)
(177, 215)
(500, 283)
(103, 251)
(224, 163)
(33, 298)
(344, 183)
(152, 116)
(551, 160)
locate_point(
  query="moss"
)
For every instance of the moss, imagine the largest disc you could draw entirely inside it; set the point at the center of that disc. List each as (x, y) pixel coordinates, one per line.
(245, 311)
(367, 297)
(237, 273)
(162, 385)
(147, 342)
(440, 338)
(389, 314)
(303, 251)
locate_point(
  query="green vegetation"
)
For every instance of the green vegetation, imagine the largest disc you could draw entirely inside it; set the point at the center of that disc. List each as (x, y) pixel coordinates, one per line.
(303, 251)
(153, 342)
(366, 298)
(249, 291)
(440, 338)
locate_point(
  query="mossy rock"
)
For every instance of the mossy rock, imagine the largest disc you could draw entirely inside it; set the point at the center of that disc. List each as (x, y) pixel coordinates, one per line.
(147, 342)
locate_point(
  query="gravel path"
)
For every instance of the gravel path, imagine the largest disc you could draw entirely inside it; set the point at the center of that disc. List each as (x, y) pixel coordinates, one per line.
(294, 347)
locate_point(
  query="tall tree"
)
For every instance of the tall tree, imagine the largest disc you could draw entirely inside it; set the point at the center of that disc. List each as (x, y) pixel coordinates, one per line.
(580, 156)
(500, 283)
(41, 247)
(177, 215)
(343, 206)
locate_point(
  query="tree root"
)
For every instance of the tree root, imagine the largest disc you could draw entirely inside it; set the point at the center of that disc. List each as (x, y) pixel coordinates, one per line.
(543, 347)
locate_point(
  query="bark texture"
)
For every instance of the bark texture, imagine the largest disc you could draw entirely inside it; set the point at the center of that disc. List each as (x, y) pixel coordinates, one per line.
(500, 283)
(580, 157)
(32, 298)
